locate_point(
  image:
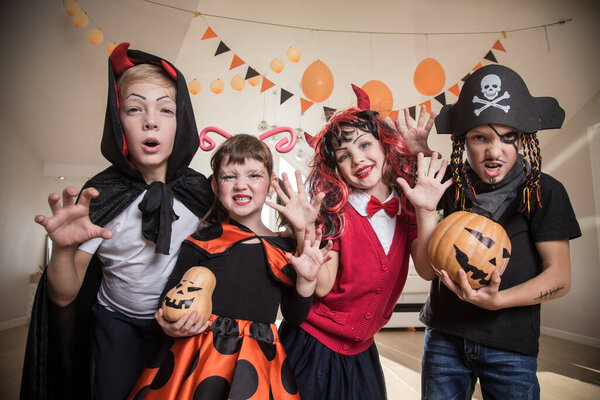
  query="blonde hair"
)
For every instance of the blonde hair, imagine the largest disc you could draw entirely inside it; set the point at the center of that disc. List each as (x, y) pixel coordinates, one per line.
(147, 73)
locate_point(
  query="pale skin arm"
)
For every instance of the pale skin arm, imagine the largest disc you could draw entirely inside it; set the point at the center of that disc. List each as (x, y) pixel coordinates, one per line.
(425, 196)
(553, 283)
(415, 133)
(309, 263)
(69, 226)
(327, 274)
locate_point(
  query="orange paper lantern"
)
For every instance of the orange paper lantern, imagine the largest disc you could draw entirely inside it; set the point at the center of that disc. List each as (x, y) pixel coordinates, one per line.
(95, 36)
(237, 83)
(110, 47)
(194, 86)
(429, 77)
(81, 19)
(380, 97)
(277, 65)
(293, 54)
(255, 80)
(217, 86)
(71, 7)
(317, 82)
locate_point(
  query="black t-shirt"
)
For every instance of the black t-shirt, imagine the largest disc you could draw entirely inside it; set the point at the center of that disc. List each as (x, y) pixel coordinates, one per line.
(245, 288)
(518, 328)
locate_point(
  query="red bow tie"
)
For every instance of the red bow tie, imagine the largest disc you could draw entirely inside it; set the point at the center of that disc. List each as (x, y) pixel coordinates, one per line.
(390, 206)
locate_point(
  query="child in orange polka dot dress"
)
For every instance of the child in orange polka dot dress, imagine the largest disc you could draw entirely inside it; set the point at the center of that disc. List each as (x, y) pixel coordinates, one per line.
(236, 354)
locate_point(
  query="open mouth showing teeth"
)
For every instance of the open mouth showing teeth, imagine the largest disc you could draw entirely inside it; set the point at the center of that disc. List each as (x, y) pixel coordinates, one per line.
(364, 171)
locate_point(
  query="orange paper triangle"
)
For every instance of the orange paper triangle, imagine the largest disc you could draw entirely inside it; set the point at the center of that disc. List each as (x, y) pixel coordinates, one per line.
(236, 62)
(266, 84)
(305, 104)
(498, 46)
(394, 115)
(475, 68)
(455, 90)
(209, 34)
(427, 105)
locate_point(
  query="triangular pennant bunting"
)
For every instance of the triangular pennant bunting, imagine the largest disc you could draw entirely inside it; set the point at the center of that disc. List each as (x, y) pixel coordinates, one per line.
(266, 84)
(454, 89)
(413, 112)
(251, 73)
(490, 57)
(305, 104)
(328, 111)
(221, 49)
(427, 105)
(466, 77)
(209, 34)
(441, 98)
(475, 68)
(498, 46)
(285, 95)
(394, 115)
(236, 62)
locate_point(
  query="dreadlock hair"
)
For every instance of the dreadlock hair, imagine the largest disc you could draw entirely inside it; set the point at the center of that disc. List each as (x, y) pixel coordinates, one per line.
(531, 153)
(324, 176)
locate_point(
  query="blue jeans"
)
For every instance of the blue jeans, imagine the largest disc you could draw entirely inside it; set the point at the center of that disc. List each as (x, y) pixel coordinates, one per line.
(451, 366)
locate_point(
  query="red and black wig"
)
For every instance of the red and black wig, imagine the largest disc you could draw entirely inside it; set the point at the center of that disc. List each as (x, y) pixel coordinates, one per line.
(533, 171)
(325, 177)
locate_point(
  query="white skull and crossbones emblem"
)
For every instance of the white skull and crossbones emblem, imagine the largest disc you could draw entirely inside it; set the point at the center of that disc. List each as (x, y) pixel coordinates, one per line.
(491, 86)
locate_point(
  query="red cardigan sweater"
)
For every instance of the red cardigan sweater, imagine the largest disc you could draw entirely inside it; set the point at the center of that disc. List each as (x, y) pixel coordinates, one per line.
(367, 286)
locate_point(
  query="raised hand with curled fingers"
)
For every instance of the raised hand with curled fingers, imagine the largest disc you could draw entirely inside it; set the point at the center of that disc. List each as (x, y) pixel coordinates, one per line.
(70, 223)
(415, 133)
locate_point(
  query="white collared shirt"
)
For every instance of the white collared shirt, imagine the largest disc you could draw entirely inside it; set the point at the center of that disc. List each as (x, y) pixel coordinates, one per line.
(381, 222)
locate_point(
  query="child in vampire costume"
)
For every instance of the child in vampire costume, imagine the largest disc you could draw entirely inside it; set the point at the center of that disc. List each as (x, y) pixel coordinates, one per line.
(492, 333)
(58, 359)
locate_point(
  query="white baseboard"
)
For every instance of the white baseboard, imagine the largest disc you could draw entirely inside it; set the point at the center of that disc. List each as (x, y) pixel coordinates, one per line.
(13, 323)
(573, 337)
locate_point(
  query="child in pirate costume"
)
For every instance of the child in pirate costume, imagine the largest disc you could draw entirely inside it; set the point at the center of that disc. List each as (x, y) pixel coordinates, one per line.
(123, 235)
(240, 355)
(492, 333)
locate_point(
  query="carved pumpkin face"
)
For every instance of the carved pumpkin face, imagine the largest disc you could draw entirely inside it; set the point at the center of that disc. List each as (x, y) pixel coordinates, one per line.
(470, 242)
(192, 293)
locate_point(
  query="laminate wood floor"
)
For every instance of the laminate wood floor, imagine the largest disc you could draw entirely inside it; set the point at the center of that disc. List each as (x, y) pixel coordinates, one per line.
(566, 370)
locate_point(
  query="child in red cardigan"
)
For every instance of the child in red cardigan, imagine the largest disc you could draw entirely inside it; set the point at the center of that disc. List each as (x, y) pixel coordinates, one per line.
(366, 170)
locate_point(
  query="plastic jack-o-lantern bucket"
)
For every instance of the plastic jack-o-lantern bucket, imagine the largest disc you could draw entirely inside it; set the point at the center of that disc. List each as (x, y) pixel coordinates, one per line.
(470, 242)
(192, 293)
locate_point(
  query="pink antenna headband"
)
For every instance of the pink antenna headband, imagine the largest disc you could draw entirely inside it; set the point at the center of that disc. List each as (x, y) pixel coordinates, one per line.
(283, 146)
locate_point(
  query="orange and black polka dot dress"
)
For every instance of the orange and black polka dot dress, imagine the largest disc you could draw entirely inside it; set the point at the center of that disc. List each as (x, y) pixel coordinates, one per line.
(239, 356)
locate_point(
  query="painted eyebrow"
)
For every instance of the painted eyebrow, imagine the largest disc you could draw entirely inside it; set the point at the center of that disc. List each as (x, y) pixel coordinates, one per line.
(143, 98)
(354, 141)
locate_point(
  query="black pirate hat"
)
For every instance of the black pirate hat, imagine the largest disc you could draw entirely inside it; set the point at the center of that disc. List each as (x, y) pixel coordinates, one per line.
(496, 94)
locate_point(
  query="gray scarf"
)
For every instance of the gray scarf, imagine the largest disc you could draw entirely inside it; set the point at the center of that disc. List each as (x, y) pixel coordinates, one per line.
(493, 199)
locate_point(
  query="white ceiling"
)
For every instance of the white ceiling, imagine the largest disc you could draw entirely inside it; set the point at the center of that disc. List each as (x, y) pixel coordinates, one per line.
(54, 81)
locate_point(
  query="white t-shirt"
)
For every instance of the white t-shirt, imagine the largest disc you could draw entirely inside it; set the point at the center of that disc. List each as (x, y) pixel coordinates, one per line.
(133, 276)
(382, 224)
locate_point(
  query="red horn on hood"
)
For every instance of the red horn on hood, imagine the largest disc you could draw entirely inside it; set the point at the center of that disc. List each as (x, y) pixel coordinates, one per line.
(362, 98)
(119, 60)
(311, 140)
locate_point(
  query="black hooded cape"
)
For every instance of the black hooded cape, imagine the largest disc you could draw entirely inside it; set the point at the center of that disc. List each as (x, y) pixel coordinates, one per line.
(58, 358)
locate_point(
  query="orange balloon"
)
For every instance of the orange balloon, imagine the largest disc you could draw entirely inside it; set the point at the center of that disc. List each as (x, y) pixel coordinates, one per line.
(238, 83)
(255, 80)
(429, 77)
(110, 47)
(380, 97)
(81, 19)
(71, 7)
(217, 86)
(317, 82)
(293, 54)
(277, 65)
(194, 86)
(95, 36)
